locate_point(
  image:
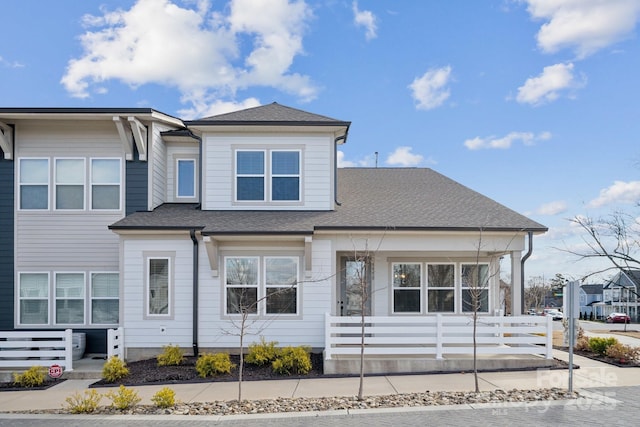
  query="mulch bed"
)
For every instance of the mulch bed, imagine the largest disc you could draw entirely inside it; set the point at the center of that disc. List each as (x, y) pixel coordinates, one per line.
(10, 386)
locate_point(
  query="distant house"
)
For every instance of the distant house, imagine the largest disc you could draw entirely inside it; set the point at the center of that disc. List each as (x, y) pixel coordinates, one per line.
(171, 229)
(620, 294)
(590, 294)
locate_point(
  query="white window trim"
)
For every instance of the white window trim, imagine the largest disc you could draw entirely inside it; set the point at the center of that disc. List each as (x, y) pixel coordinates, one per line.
(20, 184)
(91, 184)
(265, 286)
(55, 298)
(461, 287)
(420, 289)
(225, 286)
(55, 184)
(91, 298)
(170, 256)
(177, 160)
(18, 299)
(267, 176)
(453, 288)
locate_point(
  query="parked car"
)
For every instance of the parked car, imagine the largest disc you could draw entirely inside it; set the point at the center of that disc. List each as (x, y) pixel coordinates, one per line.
(618, 318)
(555, 314)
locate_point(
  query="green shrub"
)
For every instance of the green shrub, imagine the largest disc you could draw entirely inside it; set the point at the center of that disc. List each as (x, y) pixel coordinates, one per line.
(599, 345)
(114, 369)
(622, 352)
(214, 364)
(124, 398)
(172, 355)
(164, 398)
(83, 404)
(293, 360)
(262, 353)
(32, 377)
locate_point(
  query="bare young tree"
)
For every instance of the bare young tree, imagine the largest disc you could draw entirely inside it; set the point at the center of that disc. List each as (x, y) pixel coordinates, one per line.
(535, 292)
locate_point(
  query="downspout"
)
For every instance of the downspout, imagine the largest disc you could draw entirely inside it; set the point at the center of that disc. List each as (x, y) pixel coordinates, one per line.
(522, 261)
(194, 239)
(335, 166)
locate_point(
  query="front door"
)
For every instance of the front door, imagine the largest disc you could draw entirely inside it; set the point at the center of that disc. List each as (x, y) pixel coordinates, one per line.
(355, 287)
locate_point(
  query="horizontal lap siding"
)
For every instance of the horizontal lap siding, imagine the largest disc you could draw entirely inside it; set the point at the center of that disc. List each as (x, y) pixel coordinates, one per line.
(158, 166)
(141, 332)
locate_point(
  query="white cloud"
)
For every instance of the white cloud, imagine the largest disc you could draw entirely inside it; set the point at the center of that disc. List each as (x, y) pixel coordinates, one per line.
(366, 19)
(198, 51)
(585, 26)
(367, 161)
(526, 138)
(552, 208)
(547, 86)
(430, 90)
(618, 192)
(403, 156)
(201, 108)
(10, 64)
(342, 163)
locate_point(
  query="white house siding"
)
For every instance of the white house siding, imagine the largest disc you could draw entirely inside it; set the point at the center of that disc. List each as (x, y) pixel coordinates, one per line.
(141, 332)
(157, 158)
(317, 172)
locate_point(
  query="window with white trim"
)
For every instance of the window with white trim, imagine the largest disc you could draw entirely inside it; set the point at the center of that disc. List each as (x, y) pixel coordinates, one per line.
(441, 288)
(105, 184)
(185, 178)
(34, 183)
(69, 184)
(105, 301)
(261, 285)
(268, 175)
(34, 298)
(158, 286)
(407, 287)
(69, 298)
(475, 287)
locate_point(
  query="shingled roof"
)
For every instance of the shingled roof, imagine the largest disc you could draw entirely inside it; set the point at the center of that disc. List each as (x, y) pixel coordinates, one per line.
(272, 114)
(370, 199)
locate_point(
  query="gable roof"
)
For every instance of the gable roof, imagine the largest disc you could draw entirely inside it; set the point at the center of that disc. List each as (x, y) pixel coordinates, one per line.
(632, 275)
(370, 199)
(272, 114)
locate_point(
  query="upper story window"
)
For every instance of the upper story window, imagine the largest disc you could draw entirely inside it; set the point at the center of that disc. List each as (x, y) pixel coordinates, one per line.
(69, 182)
(34, 183)
(268, 175)
(105, 184)
(185, 178)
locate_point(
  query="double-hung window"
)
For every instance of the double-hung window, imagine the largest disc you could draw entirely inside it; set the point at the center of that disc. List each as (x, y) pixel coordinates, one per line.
(69, 180)
(407, 283)
(475, 287)
(268, 175)
(69, 298)
(105, 303)
(34, 298)
(261, 285)
(105, 184)
(34, 183)
(441, 288)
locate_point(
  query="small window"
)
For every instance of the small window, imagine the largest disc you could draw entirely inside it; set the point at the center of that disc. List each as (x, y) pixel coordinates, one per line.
(281, 283)
(250, 180)
(105, 184)
(407, 282)
(69, 179)
(475, 287)
(185, 178)
(34, 183)
(241, 285)
(34, 298)
(105, 304)
(158, 289)
(70, 298)
(441, 288)
(285, 175)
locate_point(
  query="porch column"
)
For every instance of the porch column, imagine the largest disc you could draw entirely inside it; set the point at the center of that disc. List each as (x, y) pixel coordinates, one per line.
(516, 284)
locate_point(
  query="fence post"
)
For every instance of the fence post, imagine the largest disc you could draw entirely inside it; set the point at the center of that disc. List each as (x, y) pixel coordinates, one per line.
(68, 350)
(327, 336)
(121, 348)
(439, 336)
(549, 335)
(110, 343)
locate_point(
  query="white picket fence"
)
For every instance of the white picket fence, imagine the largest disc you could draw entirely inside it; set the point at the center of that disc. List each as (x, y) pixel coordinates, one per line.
(439, 335)
(23, 349)
(115, 343)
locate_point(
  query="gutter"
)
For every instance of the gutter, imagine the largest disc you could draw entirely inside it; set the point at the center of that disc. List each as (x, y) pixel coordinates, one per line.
(335, 165)
(522, 261)
(194, 239)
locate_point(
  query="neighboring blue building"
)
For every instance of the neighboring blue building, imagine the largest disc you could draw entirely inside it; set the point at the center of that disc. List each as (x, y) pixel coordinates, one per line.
(589, 295)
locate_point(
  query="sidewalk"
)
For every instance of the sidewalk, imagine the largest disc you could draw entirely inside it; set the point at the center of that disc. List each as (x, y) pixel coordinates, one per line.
(590, 374)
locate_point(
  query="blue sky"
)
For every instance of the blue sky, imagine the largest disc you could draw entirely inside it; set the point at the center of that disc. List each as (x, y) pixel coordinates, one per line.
(533, 103)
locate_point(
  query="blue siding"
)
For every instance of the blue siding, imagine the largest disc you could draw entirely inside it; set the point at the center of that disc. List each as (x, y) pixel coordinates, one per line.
(136, 192)
(7, 215)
